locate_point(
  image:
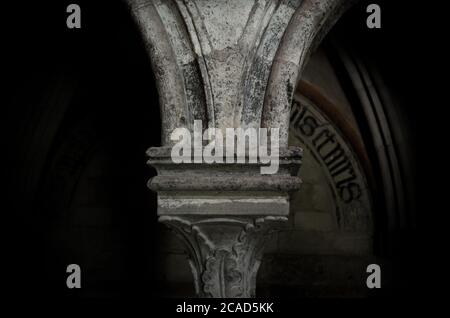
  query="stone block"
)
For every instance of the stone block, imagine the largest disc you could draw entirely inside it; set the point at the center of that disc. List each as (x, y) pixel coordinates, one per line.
(315, 221)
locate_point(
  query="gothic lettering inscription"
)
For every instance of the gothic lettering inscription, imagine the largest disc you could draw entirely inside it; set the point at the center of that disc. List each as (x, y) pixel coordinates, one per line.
(330, 148)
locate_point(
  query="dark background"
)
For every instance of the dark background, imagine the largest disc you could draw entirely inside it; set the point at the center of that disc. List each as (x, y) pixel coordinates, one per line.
(98, 78)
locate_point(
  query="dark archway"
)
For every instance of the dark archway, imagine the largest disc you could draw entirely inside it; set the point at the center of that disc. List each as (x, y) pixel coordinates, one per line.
(83, 101)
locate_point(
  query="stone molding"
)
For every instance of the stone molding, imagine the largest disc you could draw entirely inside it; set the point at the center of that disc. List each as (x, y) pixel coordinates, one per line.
(224, 214)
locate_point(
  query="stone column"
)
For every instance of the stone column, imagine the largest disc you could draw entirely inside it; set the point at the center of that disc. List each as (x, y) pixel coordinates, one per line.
(224, 214)
(231, 64)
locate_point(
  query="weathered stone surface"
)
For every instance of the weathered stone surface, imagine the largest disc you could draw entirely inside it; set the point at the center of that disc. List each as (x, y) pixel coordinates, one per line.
(223, 189)
(235, 64)
(306, 28)
(225, 253)
(223, 214)
(326, 144)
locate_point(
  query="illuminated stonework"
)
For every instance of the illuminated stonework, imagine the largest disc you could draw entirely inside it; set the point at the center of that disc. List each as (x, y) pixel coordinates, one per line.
(231, 64)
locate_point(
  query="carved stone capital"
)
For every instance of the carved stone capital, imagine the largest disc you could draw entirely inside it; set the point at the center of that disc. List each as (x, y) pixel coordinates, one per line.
(224, 214)
(224, 252)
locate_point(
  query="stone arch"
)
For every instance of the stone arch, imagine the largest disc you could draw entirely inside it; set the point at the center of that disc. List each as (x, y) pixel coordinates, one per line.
(306, 29)
(232, 63)
(391, 153)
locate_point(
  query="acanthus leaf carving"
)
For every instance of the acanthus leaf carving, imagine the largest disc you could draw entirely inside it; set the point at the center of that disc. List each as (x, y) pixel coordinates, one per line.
(224, 270)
